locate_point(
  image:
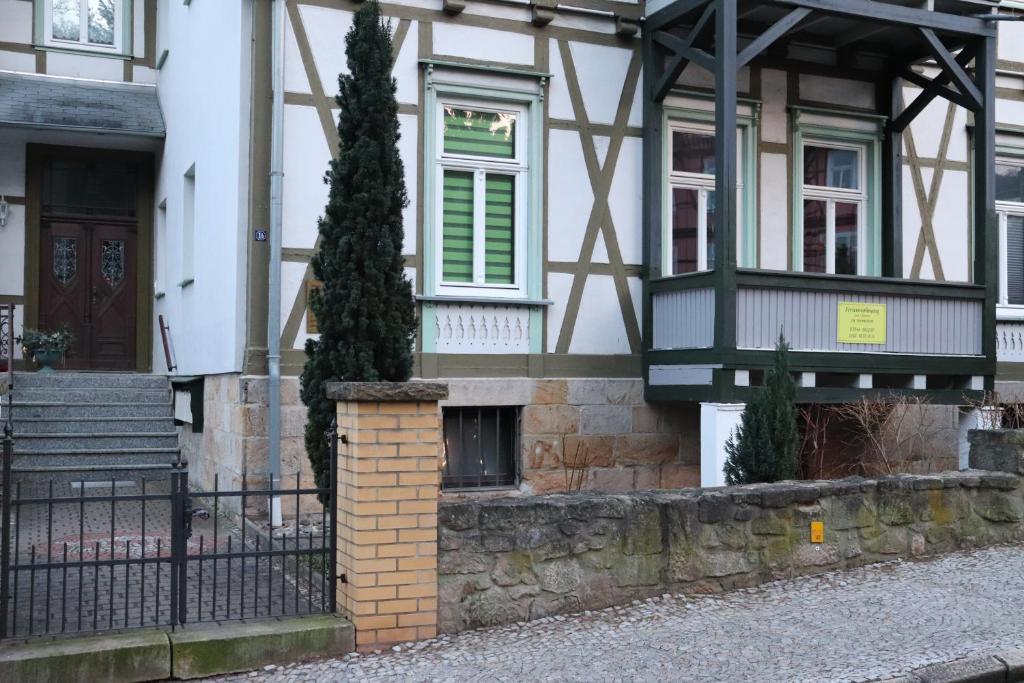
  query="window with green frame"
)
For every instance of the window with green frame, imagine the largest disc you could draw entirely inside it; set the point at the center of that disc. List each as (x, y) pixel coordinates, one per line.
(688, 232)
(480, 202)
(100, 26)
(836, 186)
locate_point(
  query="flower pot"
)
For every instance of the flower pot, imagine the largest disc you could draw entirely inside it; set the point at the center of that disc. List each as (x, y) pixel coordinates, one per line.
(46, 360)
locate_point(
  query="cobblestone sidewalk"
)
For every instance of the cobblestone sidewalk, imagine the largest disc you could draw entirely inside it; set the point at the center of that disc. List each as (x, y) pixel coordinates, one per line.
(856, 625)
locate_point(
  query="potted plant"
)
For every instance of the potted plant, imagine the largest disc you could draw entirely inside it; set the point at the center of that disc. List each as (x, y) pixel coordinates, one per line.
(46, 348)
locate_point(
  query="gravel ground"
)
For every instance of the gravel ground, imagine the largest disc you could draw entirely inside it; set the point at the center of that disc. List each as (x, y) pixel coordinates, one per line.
(856, 625)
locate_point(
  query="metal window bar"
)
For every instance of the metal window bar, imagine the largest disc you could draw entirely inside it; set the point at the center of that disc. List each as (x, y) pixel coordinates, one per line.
(480, 446)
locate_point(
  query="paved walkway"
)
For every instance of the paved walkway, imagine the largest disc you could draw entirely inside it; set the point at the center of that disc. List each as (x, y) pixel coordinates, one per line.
(856, 625)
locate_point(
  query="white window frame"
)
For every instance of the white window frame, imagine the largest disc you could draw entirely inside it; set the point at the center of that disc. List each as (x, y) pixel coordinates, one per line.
(832, 195)
(122, 31)
(1003, 211)
(480, 166)
(702, 183)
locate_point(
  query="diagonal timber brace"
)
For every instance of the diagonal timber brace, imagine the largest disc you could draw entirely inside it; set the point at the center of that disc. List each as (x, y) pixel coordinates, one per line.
(685, 52)
(936, 88)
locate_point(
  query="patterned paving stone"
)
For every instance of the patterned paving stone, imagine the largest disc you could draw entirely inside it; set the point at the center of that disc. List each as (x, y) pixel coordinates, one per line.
(857, 625)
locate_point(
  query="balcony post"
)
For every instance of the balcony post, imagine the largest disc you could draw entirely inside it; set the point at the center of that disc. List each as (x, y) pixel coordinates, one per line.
(725, 174)
(986, 227)
(652, 185)
(890, 100)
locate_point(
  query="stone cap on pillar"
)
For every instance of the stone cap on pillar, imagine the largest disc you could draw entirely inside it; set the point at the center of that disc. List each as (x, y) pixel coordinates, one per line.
(387, 391)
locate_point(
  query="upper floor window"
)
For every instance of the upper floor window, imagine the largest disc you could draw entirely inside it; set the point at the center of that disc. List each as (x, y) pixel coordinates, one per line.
(834, 199)
(481, 181)
(1010, 209)
(689, 233)
(95, 25)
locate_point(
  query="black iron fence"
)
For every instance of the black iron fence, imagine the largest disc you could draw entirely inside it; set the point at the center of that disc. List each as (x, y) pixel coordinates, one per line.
(121, 547)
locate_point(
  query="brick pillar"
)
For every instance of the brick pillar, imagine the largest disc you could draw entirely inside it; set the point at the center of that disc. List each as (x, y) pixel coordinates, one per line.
(388, 483)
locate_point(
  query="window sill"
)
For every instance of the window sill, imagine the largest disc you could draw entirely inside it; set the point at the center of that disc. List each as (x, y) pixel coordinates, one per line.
(1010, 312)
(91, 52)
(186, 282)
(494, 300)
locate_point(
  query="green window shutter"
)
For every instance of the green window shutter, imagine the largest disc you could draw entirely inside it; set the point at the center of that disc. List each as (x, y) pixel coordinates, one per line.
(457, 228)
(499, 253)
(482, 134)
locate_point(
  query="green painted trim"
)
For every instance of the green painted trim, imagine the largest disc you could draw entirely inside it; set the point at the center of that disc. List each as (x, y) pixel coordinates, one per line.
(693, 394)
(749, 127)
(484, 300)
(534, 248)
(872, 145)
(856, 283)
(533, 365)
(428, 326)
(486, 68)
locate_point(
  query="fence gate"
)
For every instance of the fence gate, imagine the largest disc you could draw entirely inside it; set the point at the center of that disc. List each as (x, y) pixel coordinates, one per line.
(88, 549)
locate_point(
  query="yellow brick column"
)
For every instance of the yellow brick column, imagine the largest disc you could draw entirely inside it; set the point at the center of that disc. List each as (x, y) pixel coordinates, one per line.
(388, 482)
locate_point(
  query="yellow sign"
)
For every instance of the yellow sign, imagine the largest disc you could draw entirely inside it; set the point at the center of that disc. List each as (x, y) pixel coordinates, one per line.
(861, 323)
(817, 532)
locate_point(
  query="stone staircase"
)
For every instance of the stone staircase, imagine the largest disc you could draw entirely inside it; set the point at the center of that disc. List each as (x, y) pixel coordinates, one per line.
(93, 418)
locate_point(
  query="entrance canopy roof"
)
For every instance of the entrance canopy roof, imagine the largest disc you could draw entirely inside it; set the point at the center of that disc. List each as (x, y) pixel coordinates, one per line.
(71, 104)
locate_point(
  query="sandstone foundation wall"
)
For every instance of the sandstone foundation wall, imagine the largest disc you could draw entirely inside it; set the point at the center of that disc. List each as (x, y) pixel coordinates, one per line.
(510, 559)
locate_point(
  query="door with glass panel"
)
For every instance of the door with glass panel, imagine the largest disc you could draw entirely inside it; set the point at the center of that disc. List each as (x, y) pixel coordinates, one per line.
(88, 276)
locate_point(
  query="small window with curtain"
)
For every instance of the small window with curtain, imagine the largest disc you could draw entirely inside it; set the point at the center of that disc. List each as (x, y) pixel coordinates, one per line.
(690, 229)
(834, 199)
(480, 446)
(1010, 209)
(93, 25)
(481, 184)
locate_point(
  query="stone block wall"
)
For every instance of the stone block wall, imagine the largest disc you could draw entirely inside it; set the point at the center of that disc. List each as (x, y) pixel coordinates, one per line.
(233, 444)
(626, 443)
(509, 559)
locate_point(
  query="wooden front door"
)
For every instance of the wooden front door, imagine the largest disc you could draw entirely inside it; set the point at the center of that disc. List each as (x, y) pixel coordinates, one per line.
(88, 282)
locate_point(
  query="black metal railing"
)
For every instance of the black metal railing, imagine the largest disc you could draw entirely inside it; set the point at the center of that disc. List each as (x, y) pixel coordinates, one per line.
(87, 549)
(7, 356)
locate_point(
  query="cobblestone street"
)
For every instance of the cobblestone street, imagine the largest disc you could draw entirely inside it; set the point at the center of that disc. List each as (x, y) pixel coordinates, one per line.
(856, 625)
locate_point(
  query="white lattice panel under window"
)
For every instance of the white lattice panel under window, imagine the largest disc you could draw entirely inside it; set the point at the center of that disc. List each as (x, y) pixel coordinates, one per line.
(1010, 342)
(482, 328)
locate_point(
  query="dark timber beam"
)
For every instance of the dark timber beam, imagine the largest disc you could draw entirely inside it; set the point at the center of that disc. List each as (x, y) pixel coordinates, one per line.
(667, 16)
(885, 13)
(776, 31)
(986, 226)
(685, 53)
(924, 99)
(725, 174)
(946, 60)
(890, 98)
(859, 34)
(942, 91)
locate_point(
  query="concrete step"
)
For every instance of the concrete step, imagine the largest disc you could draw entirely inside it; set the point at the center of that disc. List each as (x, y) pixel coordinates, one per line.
(56, 410)
(81, 425)
(95, 395)
(95, 441)
(89, 380)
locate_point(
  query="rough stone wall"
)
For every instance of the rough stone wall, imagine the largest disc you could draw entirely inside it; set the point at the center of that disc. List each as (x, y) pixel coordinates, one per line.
(510, 559)
(233, 444)
(627, 443)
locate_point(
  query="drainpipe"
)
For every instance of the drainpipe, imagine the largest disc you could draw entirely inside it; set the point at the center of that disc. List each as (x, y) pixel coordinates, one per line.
(274, 276)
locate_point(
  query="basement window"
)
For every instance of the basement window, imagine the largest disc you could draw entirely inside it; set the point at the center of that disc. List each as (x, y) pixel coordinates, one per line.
(480, 444)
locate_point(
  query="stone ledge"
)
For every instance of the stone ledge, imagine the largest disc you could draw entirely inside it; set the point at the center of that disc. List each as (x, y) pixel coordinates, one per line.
(387, 391)
(221, 649)
(130, 657)
(978, 669)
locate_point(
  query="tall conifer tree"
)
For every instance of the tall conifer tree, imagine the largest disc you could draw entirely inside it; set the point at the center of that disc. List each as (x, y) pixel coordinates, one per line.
(764, 447)
(365, 309)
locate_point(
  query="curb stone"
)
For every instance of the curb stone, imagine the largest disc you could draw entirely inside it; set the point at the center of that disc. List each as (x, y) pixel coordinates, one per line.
(1003, 667)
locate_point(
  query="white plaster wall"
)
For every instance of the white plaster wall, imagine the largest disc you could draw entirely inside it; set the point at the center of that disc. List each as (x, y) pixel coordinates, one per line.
(470, 42)
(1011, 41)
(204, 94)
(16, 26)
(774, 208)
(837, 91)
(569, 195)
